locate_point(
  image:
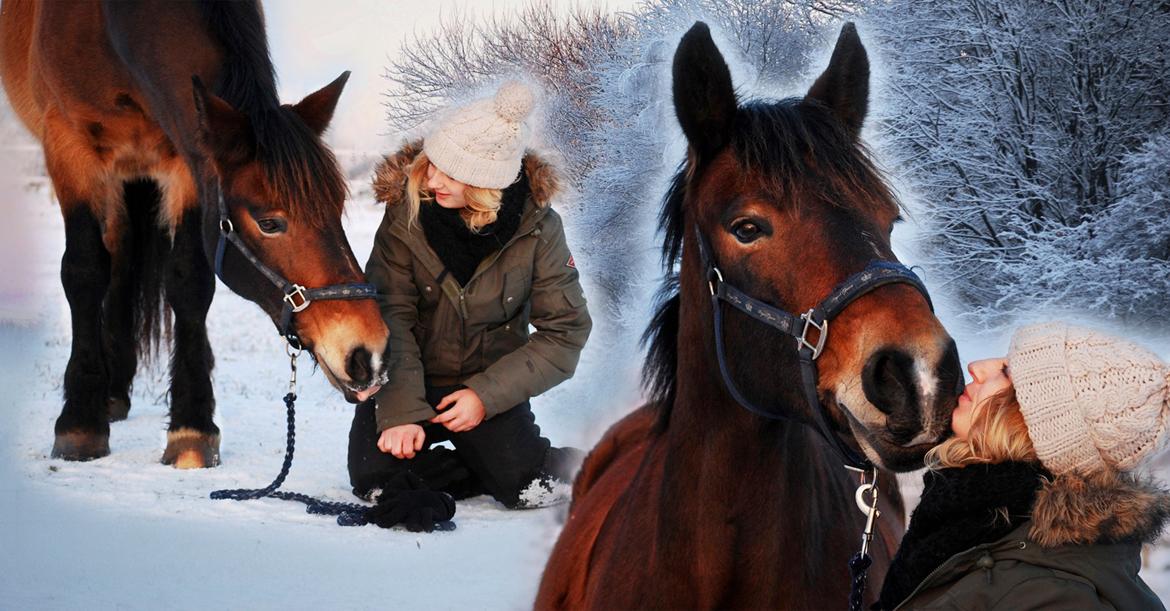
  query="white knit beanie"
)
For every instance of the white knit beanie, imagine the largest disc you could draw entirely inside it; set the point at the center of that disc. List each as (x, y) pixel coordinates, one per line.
(1091, 402)
(482, 144)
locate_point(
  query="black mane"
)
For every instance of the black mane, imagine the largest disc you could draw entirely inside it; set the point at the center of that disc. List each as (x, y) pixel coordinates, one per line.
(302, 172)
(792, 144)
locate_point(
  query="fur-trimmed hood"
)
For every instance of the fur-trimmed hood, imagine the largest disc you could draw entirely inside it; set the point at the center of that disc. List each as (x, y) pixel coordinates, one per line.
(1099, 508)
(544, 180)
(1081, 549)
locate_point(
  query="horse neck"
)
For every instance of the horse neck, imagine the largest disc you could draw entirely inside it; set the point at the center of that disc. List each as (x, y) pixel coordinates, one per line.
(719, 451)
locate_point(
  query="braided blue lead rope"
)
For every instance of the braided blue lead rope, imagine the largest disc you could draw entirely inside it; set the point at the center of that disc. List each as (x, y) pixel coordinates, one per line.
(348, 514)
(858, 571)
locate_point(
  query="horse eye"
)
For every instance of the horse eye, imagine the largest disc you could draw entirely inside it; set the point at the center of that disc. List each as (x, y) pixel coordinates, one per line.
(272, 226)
(746, 231)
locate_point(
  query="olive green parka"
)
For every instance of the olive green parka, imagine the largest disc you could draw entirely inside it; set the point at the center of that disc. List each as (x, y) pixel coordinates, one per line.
(1080, 550)
(442, 334)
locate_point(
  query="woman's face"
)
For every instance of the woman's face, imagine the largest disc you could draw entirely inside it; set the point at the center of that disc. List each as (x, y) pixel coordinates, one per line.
(988, 377)
(448, 191)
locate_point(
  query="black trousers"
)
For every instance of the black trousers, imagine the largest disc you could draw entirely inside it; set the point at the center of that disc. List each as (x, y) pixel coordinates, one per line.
(501, 456)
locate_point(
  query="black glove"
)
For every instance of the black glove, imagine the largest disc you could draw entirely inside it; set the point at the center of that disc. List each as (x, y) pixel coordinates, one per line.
(441, 469)
(407, 501)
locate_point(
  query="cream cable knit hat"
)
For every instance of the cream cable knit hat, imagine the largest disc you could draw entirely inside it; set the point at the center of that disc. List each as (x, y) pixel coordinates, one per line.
(1091, 401)
(482, 144)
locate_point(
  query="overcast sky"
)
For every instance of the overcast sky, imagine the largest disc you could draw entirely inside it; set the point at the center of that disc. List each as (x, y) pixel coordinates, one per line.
(313, 41)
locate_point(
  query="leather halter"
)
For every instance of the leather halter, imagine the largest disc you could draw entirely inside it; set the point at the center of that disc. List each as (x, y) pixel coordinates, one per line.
(877, 273)
(295, 297)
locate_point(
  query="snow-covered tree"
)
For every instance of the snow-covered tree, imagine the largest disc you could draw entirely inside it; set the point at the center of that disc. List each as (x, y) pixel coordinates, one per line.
(1027, 134)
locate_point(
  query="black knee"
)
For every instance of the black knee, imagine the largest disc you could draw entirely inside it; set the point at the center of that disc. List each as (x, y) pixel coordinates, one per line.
(507, 453)
(85, 266)
(190, 281)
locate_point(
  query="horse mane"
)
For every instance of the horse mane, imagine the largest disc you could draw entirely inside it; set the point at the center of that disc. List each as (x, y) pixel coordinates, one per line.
(789, 144)
(300, 170)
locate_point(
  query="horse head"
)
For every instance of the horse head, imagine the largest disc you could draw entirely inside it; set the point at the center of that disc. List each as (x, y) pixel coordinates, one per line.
(787, 197)
(284, 194)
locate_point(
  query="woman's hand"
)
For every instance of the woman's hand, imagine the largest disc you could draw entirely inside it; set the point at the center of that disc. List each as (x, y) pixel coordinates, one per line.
(402, 441)
(464, 411)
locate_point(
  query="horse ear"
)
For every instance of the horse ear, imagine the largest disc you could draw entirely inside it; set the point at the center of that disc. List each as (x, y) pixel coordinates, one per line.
(704, 99)
(844, 85)
(223, 131)
(316, 110)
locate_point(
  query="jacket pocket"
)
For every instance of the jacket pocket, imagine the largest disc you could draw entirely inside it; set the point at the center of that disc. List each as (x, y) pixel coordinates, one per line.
(517, 284)
(504, 339)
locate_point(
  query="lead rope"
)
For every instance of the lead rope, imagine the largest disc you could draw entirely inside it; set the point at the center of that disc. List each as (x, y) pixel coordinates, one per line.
(860, 562)
(348, 514)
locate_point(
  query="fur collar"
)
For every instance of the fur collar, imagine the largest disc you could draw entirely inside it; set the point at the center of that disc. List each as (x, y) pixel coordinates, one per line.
(390, 176)
(1100, 508)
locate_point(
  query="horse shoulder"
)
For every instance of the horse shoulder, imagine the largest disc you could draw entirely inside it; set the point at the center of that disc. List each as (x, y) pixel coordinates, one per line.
(624, 437)
(605, 474)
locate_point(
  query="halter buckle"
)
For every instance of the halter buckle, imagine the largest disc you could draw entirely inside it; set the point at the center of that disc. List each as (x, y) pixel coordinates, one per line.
(711, 276)
(225, 226)
(823, 334)
(294, 292)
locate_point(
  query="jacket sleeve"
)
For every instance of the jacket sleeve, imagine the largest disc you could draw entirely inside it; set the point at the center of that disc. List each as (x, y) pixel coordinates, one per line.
(402, 400)
(562, 322)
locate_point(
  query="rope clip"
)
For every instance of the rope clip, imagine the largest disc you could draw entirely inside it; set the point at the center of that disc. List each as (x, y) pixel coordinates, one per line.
(868, 508)
(293, 352)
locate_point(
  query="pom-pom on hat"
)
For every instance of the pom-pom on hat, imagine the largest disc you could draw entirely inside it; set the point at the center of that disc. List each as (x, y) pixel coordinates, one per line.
(1092, 402)
(482, 144)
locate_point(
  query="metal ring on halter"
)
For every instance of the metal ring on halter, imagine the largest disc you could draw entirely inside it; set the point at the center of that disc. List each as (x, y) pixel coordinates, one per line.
(225, 226)
(823, 328)
(711, 283)
(298, 291)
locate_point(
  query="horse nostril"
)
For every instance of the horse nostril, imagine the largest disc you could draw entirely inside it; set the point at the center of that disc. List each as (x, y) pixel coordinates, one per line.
(357, 366)
(888, 382)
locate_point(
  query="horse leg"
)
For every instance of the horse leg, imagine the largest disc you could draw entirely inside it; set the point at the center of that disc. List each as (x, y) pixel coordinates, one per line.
(118, 325)
(83, 430)
(192, 437)
(132, 318)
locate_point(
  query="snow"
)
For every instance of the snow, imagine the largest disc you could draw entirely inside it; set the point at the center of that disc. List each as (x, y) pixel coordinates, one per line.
(128, 532)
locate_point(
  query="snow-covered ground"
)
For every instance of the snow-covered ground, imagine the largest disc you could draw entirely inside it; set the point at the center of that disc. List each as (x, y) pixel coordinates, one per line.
(126, 532)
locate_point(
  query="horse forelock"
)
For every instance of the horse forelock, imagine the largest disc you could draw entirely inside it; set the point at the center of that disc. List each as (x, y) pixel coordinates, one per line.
(303, 176)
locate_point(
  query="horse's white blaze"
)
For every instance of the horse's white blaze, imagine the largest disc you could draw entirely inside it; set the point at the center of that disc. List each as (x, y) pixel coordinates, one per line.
(927, 389)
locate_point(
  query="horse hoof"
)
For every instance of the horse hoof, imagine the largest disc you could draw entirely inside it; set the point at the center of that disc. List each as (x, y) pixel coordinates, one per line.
(117, 409)
(80, 445)
(191, 449)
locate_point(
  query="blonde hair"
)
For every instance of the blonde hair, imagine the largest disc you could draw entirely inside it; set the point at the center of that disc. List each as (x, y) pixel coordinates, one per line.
(483, 205)
(998, 434)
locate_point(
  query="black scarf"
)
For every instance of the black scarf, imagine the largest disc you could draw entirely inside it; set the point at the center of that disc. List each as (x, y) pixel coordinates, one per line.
(462, 250)
(957, 512)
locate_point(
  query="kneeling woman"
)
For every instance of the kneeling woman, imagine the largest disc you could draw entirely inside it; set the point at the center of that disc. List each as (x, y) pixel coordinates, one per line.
(469, 253)
(1036, 502)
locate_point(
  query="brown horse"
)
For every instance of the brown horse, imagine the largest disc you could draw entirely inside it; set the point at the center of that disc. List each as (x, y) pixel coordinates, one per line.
(692, 501)
(138, 156)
